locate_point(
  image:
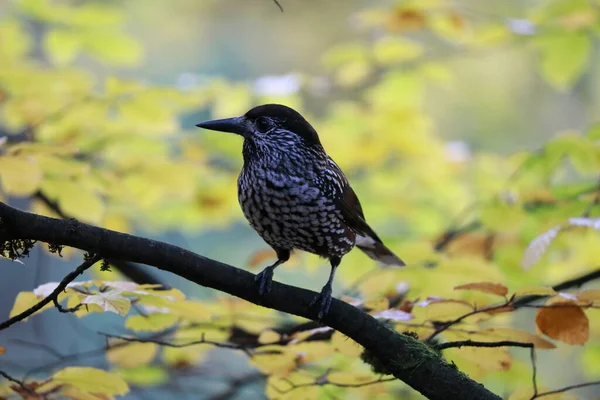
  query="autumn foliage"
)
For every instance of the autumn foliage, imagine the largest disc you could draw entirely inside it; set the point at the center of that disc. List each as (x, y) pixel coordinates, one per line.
(501, 246)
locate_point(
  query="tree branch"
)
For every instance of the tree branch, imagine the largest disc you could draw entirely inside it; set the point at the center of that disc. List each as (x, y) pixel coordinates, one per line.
(132, 271)
(406, 358)
(54, 295)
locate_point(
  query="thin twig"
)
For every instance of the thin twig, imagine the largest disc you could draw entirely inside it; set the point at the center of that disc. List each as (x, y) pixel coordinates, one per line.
(447, 325)
(54, 295)
(169, 344)
(566, 388)
(503, 343)
(278, 5)
(323, 381)
(18, 382)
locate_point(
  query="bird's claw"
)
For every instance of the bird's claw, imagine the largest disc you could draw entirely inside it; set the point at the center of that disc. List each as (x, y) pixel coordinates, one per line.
(323, 302)
(264, 280)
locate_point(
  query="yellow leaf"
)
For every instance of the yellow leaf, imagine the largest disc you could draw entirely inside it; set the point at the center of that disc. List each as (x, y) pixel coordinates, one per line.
(389, 50)
(379, 304)
(110, 301)
(345, 345)
(352, 74)
(274, 360)
(75, 200)
(307, 352)
(188, 355)
(113, 48)
(269, 336)
(564, 321)
(150, 323)
(16, 41)
(20, 176)
(115, 86)
(24, 301)
(447, 310)
(350, 377)
(131, 354)
(486, 287)
(88, 380)
(535, 291)
(190, 310)
(518, 336)
(62, 46)
(501, 216)
(2, 350)
(278, 388)
(148, 375)
(488, 359)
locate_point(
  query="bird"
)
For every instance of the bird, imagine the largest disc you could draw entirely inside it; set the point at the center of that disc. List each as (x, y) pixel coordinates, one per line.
(296, 197)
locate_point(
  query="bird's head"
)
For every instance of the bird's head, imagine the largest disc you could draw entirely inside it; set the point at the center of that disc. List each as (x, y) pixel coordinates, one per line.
(269, 128)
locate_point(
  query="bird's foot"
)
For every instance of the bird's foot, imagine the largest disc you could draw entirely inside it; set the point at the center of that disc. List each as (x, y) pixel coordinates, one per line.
(322, 301)
(264, 280)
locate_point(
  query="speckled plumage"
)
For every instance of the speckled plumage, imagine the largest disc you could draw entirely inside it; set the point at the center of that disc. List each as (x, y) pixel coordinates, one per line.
(295, 208)
(295, 196)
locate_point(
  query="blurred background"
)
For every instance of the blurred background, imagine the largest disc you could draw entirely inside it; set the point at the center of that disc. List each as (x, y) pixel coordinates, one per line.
(467, 128)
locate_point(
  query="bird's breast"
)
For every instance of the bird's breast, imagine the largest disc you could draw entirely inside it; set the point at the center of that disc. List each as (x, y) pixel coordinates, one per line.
(291, 211)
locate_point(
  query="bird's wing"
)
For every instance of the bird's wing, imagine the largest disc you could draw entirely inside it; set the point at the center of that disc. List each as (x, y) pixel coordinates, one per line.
(366, 239)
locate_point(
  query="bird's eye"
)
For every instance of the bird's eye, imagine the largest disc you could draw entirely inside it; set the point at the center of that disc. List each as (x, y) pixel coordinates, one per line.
(263, 124)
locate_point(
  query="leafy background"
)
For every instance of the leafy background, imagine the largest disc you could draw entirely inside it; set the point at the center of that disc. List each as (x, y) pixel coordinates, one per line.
(477, 117)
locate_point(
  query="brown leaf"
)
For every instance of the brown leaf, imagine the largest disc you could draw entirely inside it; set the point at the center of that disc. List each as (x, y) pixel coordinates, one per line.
(564, 321)
(589, 295)
(486, 287)
(261, 257)
(406, 306)
(2, 350)
(407, 20)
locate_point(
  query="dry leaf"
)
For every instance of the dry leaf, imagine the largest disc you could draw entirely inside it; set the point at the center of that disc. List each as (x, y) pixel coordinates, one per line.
(589, 295)
(486, 287)
(535, 291)
(565, 321)
(260, 257)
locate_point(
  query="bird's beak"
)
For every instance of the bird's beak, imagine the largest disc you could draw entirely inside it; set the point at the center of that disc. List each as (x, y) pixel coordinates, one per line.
(235, 125)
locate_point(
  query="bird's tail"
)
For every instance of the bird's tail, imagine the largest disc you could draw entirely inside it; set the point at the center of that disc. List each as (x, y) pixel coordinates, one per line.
(378, 252)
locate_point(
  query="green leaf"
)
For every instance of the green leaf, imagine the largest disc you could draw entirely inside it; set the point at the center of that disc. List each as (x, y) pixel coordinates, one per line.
(564, 57)
(62, 46)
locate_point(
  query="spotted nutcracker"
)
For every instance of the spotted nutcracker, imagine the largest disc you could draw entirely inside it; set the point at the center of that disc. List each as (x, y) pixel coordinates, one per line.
(295, 196)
